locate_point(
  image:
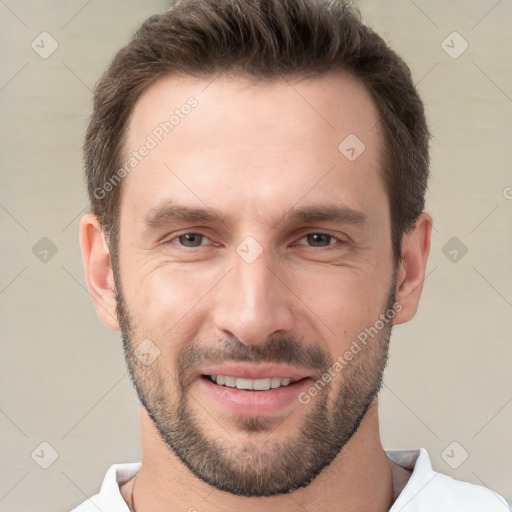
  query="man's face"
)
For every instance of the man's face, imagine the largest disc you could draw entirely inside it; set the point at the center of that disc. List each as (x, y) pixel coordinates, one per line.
(267, 290)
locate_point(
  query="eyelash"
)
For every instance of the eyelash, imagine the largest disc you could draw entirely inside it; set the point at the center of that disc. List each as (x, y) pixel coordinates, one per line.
(170, 241)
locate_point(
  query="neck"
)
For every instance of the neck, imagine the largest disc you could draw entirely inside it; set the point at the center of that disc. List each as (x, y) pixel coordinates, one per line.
(360, 478)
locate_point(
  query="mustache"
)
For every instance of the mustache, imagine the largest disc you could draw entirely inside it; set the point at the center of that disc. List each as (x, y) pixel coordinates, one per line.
(283, 350)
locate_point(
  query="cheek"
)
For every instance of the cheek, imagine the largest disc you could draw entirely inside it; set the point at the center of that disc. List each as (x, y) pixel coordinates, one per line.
(168, 304)
(342, 303)
(166, 290)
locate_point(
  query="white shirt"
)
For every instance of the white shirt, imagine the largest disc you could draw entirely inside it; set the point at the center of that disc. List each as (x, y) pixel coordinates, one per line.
(426, 490)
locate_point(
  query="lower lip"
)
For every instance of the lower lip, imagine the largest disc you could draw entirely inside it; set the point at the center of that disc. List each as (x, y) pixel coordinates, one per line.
(254, 403)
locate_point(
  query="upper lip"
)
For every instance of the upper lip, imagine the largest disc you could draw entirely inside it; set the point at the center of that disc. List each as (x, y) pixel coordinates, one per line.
(252, 371)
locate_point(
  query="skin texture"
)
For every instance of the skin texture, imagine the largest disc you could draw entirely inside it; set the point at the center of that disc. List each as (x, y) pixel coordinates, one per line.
(254, 151)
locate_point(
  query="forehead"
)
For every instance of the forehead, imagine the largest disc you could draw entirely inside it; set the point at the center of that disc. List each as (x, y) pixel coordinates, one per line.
(335, 102)
(235, 141)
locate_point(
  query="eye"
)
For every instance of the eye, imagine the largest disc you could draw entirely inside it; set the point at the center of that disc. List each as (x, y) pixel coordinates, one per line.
(320, 239)
(192, 240)
(189, 239)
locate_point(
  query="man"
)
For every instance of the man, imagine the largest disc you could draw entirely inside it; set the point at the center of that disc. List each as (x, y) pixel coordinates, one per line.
(257, 171)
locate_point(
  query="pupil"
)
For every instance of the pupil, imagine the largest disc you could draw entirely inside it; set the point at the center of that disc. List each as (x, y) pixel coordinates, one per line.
(189, 237)
(316, 237)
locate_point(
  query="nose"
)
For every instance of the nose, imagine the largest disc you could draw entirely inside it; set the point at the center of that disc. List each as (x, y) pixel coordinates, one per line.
(253, 301)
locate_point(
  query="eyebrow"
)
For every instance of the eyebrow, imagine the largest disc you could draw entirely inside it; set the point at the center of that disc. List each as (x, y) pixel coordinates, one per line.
(170, 211)
(338, 214)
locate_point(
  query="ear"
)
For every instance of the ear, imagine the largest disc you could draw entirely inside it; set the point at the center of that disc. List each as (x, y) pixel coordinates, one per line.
(98, 270)
(411, 270)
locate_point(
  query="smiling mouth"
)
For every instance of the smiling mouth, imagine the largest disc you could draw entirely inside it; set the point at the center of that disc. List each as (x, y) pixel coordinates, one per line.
(251, 384)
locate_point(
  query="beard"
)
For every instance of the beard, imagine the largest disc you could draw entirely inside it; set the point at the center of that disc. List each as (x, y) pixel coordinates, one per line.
(255, 468)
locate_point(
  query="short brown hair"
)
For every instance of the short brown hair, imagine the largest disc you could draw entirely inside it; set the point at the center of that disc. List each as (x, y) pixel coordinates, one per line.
(264, 39)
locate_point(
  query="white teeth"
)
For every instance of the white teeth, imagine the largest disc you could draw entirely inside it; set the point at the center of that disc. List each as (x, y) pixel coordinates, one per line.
(243, 383)
(229, 381)
(276, 382)
(255, 384)
(261, 384)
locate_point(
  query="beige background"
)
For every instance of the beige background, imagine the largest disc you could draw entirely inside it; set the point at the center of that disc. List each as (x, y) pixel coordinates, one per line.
(63, 379)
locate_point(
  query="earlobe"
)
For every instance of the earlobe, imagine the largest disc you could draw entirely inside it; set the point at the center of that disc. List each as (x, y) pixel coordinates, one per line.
(98, 270)
(411, 270)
